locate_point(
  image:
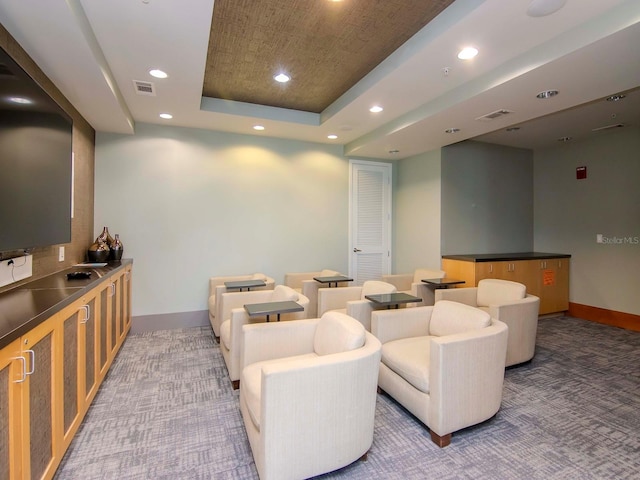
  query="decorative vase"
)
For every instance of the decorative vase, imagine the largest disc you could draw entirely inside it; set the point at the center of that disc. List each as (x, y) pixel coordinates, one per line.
(105, 237)
(117, 249)
(98, 251)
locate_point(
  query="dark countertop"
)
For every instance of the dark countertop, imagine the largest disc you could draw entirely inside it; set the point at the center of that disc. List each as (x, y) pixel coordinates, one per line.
(26, 306)
(501, 257)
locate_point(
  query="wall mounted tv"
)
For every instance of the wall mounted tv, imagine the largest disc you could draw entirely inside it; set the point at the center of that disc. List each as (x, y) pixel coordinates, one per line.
(35, 163)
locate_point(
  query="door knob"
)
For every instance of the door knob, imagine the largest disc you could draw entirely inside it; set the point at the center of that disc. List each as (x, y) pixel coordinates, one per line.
(356, 249)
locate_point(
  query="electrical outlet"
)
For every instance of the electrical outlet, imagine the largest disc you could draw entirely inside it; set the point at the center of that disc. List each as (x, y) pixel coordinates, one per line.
(61, 254)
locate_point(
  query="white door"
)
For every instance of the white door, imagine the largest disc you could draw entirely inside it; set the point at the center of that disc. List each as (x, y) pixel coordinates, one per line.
(369, 220)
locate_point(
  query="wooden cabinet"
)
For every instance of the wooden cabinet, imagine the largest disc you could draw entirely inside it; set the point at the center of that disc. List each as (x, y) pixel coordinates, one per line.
(50, 375)
(547, 278)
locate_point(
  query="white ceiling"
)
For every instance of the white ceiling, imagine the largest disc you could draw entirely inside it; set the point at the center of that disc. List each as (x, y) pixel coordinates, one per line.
(93, 50)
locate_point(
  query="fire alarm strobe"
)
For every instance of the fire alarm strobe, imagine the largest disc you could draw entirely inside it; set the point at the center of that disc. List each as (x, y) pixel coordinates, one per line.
(581, 173)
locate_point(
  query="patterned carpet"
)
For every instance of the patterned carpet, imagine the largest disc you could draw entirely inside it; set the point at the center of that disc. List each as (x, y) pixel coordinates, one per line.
(167, 411)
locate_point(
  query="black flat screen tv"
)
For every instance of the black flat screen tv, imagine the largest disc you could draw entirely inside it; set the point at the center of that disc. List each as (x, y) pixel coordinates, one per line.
(35, 163)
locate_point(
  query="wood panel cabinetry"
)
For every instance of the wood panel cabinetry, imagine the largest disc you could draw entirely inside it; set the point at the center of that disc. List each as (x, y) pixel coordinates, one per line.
(50, 375)
(547, 278)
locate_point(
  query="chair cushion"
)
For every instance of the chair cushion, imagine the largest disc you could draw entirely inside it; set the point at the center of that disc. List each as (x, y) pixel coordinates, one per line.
(328, 273)
(282, 293)
(225, 333)
(252, 384)
(493, 291)
(422, 273)
(450, 318)
(337, 332)
(374, 287)
(409, 358)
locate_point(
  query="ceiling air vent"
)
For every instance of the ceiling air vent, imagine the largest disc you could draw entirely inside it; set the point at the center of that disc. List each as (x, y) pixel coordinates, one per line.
(494, 115)
(144, 88)
(608, 127)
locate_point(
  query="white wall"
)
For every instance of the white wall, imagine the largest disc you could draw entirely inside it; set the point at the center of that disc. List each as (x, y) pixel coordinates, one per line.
(417, 213)
(190, 204)
(569, 213)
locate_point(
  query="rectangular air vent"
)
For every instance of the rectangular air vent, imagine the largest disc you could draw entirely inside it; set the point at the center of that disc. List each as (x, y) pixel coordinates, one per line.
(494, 115)
(144, 88)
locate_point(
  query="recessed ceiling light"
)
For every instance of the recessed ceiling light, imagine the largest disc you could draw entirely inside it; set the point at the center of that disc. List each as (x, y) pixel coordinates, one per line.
(467, 53)
(333, 136)
(615, 98)
(158, 73)
(376, 109)
(166, 116)
(542, 8)
(20, 100)
(282, 78)
(564, 139)
(513, 129)
(452, 130)
(393, 152)
(547, 94)
(258, 127)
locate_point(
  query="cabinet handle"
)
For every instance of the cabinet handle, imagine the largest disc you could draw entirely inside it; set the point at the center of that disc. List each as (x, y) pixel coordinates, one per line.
(32, 354)
(87, 313)
(113, 289)
(24, 369)
(491, 268)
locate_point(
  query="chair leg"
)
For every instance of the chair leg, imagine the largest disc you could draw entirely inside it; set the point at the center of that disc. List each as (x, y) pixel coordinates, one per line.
(441, 441)
(235, 384)
(364, 457)
(380, 391)
(217, 339)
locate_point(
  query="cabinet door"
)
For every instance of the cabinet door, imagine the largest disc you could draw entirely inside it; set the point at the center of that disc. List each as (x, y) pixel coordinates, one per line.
(104, 329)
(487, 270)
(125, 304)
(13, 371)
(553, 285)
(116, 323)
(42, 415)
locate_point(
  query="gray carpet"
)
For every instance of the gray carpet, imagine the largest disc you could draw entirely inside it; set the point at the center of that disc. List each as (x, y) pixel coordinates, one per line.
(167, 411)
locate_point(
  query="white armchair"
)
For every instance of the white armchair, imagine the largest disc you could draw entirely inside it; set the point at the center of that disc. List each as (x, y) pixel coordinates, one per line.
(352, 301)
(305, 284)
(412, 284)
(217, 288)
(232, 310)
(308, 394)
(444, 363)
(508, 302)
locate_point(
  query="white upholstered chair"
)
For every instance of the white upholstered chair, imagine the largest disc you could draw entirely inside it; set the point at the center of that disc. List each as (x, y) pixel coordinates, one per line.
(444, 363)
(508, 302)
(412, 284)
(217, 288)
(232, 310)
(352, 301)
(305, 284)
(308, 394)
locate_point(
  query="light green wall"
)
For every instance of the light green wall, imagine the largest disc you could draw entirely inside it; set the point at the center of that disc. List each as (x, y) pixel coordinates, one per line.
(417, 213)
(487, 199)
(570, 213)
(190, 204)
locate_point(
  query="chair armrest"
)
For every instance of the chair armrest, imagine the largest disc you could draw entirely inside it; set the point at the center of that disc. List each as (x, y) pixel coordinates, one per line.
(294, 280)
(388, 325)
(467, 295)
(230, 300)
(402, 281)
(336, 298)
(466, 377)
(361, 311)
(528, 307)
(219, 281)
(267, 341)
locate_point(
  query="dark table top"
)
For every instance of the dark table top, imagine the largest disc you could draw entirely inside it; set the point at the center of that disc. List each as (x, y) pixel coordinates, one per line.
(26, 306)
(442, 282)
(244, 283)
(269, 308)
(499, 257)
(333, 279)
(392, 298)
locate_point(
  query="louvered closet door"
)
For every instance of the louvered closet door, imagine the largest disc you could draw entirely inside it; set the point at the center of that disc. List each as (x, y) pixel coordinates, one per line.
(370, 221)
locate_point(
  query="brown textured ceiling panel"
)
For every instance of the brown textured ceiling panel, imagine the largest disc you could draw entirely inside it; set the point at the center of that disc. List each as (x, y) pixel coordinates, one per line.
(325, 46)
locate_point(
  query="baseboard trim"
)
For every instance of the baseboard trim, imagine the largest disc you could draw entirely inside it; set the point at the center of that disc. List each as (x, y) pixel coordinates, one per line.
(628, 321)
(169, 321)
